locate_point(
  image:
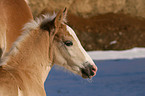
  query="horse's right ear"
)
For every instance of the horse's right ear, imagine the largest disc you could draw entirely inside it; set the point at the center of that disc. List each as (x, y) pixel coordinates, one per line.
(61, 16)
(53, 22)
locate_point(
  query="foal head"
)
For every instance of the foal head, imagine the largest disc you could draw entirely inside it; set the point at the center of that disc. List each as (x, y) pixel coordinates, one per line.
(66, 48)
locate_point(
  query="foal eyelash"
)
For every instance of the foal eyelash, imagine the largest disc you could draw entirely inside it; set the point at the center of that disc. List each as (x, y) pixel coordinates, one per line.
(63, 45)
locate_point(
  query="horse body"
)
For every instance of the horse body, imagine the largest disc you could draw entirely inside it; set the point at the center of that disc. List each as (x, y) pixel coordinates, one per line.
(14, 14)
(19, 83)
(23, 72)
(44, 43)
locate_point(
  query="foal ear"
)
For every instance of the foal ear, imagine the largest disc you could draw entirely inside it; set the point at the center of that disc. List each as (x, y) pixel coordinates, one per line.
(55, 21)
(61, 16)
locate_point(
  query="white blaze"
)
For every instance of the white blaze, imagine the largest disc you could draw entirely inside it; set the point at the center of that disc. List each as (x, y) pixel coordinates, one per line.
(87, 57)
(20, 92)
(27, 1)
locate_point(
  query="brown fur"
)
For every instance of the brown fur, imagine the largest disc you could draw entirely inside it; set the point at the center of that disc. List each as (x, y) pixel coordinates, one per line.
(27, 64)
(13, 15)
(25, 68)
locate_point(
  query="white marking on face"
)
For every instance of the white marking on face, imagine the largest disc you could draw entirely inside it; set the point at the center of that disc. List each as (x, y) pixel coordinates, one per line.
(87, 57)
(27, 1)
(19, 92)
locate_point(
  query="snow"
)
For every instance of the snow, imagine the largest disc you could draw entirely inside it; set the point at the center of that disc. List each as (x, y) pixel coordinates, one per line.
(112, 55)
(121, 73)
(113, 42)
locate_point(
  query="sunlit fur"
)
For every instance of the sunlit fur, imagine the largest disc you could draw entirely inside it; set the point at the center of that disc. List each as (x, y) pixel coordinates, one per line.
(28, 27)
(25, 67)
(72, 58)
(13, 15)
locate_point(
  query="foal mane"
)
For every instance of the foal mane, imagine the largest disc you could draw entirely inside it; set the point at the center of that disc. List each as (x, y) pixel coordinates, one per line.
(27, 30)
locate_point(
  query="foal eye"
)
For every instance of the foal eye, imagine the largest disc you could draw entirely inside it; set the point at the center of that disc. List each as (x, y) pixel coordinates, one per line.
(68, 43)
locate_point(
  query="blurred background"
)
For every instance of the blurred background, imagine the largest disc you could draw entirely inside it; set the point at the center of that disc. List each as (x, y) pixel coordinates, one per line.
(102, 25)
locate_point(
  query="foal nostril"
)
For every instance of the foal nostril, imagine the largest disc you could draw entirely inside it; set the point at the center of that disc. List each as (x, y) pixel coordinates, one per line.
(94, 68)
(89, 71)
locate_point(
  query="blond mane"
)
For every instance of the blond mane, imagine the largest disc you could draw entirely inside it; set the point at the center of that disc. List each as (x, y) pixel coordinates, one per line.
(27, 29)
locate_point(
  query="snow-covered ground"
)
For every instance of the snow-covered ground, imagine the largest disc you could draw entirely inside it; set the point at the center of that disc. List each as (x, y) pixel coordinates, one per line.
(110, 55)
(121, 73)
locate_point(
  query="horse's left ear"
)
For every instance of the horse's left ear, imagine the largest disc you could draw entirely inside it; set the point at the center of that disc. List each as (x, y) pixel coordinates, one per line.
(61, 16)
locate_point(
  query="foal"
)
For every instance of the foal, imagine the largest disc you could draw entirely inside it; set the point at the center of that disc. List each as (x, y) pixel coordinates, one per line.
(44, 42)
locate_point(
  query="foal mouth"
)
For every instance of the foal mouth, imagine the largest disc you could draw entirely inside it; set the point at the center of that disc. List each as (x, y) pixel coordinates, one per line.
(89, 71)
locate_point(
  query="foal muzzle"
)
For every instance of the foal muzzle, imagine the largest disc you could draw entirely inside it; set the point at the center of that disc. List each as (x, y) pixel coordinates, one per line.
(88, 71)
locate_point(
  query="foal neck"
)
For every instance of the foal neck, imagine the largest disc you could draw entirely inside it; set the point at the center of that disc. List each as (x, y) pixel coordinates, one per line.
(30, 54)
